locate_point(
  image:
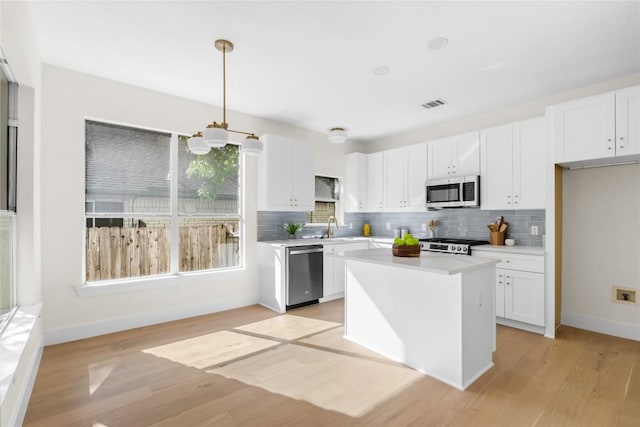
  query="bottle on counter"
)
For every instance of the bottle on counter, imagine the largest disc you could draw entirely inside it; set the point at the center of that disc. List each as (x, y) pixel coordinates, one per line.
(366, 230)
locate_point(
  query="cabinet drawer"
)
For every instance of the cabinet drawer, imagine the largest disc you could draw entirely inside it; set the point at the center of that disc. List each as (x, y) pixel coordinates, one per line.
(513, 261)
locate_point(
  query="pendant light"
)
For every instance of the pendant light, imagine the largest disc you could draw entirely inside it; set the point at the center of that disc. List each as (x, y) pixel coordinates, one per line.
(216, 135)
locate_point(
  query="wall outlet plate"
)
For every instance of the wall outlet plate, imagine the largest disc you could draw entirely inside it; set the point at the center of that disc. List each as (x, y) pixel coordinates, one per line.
(388, 226)
(534, 230)
(424, 227)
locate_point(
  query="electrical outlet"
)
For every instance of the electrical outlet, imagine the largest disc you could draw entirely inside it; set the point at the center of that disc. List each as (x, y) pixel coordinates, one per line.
(388, 226)
(350, 226)
(534, 230)
(424, 227)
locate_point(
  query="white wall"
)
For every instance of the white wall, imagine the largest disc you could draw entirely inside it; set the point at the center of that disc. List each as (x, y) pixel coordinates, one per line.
(68, 98)
(601, 235)
(495, 117)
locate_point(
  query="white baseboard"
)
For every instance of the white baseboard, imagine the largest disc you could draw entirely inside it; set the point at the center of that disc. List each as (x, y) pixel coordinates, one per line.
(604, 326)
(108, 326)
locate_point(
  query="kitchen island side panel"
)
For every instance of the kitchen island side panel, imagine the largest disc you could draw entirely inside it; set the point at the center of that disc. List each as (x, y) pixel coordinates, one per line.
(478, 323)
(408, 315)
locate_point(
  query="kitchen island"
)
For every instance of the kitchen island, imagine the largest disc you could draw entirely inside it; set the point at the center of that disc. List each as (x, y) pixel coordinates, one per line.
(434, 313)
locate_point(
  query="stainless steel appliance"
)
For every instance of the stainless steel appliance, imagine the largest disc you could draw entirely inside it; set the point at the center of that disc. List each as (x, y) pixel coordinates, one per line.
(304, 275)
(450, 246)
(459, 192)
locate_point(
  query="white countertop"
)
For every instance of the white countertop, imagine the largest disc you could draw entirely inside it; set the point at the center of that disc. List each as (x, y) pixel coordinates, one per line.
(525, 250)
(331, 241)
(427, 261)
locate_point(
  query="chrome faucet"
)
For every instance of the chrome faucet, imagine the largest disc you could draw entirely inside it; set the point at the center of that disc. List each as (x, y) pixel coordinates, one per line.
(331, 218)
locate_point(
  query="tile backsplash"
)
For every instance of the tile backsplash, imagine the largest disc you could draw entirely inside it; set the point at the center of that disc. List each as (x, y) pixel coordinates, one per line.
(461, 223)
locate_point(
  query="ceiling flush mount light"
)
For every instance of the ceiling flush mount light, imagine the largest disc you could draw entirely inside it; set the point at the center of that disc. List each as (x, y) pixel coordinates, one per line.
(216, 135)
(438, 43)
(337, 136)
(381, 71)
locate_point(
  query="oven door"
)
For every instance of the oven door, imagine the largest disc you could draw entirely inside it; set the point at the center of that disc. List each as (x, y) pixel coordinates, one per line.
(445, 193)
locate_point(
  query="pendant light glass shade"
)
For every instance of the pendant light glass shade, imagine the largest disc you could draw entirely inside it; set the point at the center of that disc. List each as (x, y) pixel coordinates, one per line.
(252, 145)
(197, 146)
(215, 136)
(337, 136)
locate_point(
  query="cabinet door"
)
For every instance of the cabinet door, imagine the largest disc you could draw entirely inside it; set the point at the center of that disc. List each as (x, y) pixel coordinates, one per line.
(500, 292)
(529, 157)
(584, 129)
(467, 154)
(628, 121)
(303, 178)
(524, 297)
(274, 175)
(496, 180)
(394, 199)
(340, 273)
(362, 182)
(375, 181)
(415, 177)
(351, 183)
(440, 158)
(328, 270)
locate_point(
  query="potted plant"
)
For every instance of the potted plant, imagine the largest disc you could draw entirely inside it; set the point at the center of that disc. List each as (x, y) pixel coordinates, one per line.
(292, 228)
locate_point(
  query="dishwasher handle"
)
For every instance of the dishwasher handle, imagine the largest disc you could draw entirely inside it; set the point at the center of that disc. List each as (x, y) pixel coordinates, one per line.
(305, 250)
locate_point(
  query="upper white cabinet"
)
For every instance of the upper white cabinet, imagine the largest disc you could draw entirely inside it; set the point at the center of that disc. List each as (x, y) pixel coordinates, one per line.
(286, 175)
(512, 167)
(405, 173)
(375, 182)
(597, 127)
(454, 156)
(355, 185)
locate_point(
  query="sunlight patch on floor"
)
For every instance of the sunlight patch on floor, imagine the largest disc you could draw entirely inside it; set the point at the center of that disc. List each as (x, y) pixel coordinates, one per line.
(288, 327)
(99, 372)
(334, 340)
(212, 349)
(336, 382)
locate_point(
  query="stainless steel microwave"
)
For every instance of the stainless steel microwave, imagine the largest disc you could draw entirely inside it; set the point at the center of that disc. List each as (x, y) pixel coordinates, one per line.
(460, 192)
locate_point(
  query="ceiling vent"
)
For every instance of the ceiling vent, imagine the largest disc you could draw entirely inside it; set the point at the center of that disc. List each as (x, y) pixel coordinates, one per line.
(435, 103)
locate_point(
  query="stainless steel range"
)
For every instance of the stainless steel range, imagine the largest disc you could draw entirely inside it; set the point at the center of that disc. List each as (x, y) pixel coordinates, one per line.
(450, 246)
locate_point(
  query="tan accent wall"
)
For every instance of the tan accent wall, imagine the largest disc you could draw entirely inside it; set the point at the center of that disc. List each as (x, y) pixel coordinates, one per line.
(558, 245)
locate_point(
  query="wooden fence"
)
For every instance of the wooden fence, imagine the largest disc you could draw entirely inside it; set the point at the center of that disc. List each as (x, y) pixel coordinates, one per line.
(120, 252)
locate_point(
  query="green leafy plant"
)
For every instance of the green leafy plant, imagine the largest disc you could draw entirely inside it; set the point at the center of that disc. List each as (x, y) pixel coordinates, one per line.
(292, 228)
(214, 169)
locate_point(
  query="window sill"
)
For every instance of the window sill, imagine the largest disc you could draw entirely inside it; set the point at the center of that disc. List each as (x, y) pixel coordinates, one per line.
(151, 282)
(13, 342)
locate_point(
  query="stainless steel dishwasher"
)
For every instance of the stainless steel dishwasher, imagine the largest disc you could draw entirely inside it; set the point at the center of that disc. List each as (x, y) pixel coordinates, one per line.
(304, 275)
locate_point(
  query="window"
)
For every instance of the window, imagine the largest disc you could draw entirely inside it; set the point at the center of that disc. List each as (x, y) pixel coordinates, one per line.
(154, 208)
(326, 200)
(8, 185)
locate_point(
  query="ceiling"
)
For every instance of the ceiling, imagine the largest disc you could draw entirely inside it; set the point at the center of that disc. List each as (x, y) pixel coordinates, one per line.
(310, 63)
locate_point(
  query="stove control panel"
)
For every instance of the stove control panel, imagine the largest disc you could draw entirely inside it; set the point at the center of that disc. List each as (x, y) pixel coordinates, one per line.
(450, 248)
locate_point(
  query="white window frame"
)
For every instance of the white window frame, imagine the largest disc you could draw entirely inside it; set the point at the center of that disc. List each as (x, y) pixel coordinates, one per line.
(152, 281)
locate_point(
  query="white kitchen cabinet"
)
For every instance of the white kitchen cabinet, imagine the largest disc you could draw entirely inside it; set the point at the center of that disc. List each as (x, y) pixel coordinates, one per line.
(405, 173)
(454, 156)
(334, 267)
(598, 127)
(355, 185)
(519, 288)
(513, 164)
(286, 175)
(375, 182)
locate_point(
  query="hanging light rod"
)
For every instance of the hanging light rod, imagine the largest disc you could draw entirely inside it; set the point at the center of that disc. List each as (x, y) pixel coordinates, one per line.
(216, 135)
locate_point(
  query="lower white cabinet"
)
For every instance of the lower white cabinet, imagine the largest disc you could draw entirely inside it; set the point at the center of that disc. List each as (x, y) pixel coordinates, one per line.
(519, 287)
(334, 270)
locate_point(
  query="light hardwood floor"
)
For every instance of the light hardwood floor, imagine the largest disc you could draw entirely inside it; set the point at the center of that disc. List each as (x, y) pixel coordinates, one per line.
(252, 367)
